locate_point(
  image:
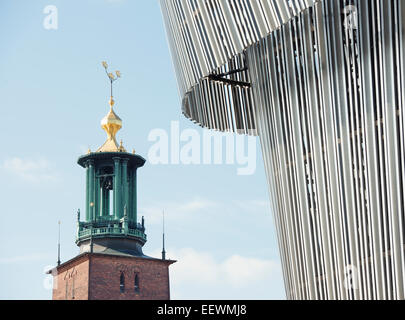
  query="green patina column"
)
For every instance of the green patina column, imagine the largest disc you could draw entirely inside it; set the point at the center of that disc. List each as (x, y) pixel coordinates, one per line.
(117, 188)
(125, 183)
(130, 205)
(91, 188)
(134, 196)
(97, 195)
(87, 193)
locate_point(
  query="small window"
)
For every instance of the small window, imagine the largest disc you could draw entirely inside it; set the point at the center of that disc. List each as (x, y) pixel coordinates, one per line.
(122, 282)
(136, 283)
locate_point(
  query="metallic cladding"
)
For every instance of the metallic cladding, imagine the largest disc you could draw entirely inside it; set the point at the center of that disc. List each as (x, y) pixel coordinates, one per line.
(327, 99)
(208, 37)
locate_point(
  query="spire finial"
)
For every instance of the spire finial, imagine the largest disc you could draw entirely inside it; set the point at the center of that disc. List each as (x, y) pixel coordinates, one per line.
(111, 103)
(121, 148)
(112, 79)
(59, 244)
(163, 251)
(111, 123)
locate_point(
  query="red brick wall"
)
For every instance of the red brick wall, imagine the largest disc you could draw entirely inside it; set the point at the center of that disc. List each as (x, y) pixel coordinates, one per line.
(105, 274)
(97, 277)
(71, 282)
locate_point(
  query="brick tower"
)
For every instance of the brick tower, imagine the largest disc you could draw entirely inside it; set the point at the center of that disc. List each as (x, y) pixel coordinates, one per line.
(111, 264)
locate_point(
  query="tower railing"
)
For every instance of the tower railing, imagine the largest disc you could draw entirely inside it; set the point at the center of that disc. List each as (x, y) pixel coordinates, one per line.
(116, 229)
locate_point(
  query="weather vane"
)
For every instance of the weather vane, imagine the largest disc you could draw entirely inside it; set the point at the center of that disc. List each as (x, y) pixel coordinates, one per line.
(112, 78)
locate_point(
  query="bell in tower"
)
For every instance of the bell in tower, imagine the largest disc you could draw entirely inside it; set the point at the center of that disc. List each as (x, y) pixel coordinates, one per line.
(111, 263)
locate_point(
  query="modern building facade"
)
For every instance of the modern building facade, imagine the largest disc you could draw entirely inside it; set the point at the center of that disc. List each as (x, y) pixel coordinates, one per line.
(111, 264)
(322, 83)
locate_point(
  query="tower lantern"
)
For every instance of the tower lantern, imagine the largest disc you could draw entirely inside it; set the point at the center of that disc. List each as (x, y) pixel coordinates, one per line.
(111, 178)
(109, 235)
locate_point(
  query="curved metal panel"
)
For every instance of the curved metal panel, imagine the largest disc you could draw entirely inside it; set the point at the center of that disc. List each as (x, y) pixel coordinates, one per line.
(329, 105)
(323, 85)
(208, 37)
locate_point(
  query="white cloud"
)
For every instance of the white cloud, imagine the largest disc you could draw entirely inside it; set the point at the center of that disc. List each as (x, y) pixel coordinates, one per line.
(195, 267)
(254, 205)
(194, 205)
(33, 170)
(198, 275)
(241, 271)
(175, 211)
(182, 210)
(235, 270)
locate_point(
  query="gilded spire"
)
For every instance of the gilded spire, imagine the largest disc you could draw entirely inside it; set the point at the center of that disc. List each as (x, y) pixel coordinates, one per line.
(111, 123)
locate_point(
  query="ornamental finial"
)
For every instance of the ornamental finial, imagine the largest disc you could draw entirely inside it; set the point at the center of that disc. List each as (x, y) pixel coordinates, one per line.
(111, 123)
(112, 79)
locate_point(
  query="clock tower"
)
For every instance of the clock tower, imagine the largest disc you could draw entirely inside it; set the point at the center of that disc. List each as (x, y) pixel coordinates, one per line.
(111, 264)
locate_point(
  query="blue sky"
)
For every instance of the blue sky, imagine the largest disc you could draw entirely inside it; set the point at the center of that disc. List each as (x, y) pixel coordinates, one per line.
(54, 93)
